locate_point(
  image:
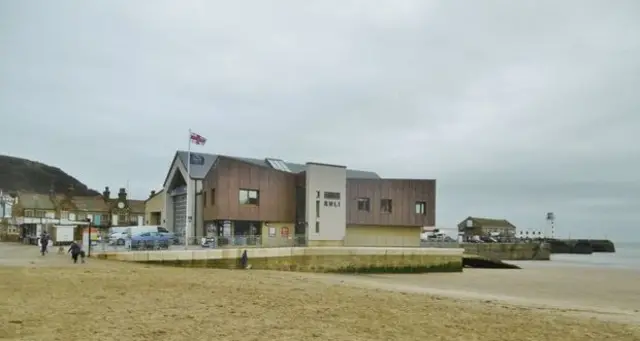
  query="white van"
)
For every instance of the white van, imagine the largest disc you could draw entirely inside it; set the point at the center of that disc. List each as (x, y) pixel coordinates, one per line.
(119, 237)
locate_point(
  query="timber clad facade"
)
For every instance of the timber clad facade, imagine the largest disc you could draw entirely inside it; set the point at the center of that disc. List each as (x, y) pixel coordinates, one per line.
(238, 190)
(391, 202)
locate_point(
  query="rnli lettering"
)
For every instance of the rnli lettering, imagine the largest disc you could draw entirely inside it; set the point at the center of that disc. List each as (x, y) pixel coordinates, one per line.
(332, 203)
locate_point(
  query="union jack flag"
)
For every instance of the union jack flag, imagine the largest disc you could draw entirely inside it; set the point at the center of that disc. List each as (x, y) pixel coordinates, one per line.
(198, 139)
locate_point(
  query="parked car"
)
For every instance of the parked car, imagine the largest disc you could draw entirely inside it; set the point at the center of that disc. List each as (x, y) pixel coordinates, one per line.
(121, 236)
(151, 240)
(118, 235)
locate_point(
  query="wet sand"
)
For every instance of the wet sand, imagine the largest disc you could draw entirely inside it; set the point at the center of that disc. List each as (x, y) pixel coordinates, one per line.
(610, 294)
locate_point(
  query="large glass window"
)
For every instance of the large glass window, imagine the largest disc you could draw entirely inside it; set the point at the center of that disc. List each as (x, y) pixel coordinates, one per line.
(249, 197)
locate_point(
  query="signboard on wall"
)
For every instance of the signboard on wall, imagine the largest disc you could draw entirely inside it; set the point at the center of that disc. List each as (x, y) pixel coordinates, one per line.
(284, 231)
(332, 199)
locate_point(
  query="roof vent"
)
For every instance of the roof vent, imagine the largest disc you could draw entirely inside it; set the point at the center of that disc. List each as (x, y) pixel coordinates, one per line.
(278, 164)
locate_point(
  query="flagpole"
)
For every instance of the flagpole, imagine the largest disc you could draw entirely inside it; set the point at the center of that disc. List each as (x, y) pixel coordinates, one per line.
(186, 228)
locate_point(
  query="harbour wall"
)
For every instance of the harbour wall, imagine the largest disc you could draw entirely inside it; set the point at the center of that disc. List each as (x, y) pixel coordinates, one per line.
(509, 251)
(307, 259)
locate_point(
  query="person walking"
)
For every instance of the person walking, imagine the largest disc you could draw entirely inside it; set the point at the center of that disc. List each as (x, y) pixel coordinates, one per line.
(76, 250)
(44, 242)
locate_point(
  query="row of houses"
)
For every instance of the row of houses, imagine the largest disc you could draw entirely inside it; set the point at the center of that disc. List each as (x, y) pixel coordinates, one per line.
(31, 211)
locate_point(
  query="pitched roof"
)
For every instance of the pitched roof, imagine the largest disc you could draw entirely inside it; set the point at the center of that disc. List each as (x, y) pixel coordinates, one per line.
(154, 195)
(490, 222)
(200, 171)
(35, 201)
(90, 204)
(136, 206)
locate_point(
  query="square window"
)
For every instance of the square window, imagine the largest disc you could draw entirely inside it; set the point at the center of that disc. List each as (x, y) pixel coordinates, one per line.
(386, 206)
(249, 197)
(364, 204)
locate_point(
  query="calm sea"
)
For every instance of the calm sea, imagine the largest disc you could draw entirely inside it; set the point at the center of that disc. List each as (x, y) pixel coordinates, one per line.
(627, 256)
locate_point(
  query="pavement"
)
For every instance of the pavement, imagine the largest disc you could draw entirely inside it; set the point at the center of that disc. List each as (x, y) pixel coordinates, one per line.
(15, 254)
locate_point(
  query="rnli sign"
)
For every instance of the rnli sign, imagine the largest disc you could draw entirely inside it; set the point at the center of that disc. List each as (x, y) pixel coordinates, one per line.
(332, 203)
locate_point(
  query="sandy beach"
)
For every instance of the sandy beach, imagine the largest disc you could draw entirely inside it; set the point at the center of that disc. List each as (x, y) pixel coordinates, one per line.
(606, 294)
(47, 298)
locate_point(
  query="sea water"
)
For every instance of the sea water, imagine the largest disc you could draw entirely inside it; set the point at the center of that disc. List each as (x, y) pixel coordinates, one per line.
(627, 256)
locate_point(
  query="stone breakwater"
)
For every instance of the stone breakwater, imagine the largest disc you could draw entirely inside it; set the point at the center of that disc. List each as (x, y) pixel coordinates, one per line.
(581, 246)
(308, 259)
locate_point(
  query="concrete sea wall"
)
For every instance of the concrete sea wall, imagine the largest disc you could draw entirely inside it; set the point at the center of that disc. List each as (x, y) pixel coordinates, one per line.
(509, 251)
(308, 259)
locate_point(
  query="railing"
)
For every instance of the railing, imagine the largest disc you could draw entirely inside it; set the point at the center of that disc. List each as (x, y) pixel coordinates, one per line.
(381, 241)
(440, 244)
(195, 243)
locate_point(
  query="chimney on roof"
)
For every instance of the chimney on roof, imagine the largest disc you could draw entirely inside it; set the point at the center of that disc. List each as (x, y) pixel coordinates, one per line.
(106, 195)
(152, 194)
(122, 195)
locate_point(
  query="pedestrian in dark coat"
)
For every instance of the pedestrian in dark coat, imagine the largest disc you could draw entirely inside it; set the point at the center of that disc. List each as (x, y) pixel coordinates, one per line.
(76, 250)
(44, 242)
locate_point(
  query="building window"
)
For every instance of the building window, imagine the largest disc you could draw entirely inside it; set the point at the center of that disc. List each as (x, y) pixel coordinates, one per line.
(364, 204)
(105, 220)
(122, 219)
(317, 227)
(317, 208)
(332, 195)
(249, 197)
(82, 217)
(64, 215)
(204, 199)
(421, 207)
(385, 206)
(40, 214)
(28, 213)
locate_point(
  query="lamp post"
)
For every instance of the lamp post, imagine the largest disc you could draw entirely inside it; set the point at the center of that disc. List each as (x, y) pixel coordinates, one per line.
(88, 221)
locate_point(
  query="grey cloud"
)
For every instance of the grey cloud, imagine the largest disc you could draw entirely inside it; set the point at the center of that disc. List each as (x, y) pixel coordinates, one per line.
(516, 107)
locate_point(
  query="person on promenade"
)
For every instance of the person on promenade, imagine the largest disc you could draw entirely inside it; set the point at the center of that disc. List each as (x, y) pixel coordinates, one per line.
(44, 242)
(76, 250)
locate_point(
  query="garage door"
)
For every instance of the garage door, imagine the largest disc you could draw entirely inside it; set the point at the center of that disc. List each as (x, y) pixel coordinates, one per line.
(179, 214)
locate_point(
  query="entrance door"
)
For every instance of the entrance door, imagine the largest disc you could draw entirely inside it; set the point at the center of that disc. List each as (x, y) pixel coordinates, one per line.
(179, 215)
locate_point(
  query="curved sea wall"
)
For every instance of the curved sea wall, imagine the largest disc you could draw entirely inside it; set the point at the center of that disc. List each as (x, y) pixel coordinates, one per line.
(509, 251)
(307, 259)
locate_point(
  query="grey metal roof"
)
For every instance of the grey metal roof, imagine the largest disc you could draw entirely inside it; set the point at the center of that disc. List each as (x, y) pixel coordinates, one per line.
(298, 168)
(200, 171)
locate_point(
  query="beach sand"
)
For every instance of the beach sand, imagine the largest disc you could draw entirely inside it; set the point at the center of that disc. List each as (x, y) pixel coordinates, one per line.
(606, 294)
(47, 298)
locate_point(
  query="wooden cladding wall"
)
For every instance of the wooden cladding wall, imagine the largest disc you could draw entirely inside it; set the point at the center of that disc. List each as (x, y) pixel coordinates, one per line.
(276, 190)
(404, 195)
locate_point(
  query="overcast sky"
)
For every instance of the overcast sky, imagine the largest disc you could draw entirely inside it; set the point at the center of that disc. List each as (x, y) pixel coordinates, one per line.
(516, 107)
